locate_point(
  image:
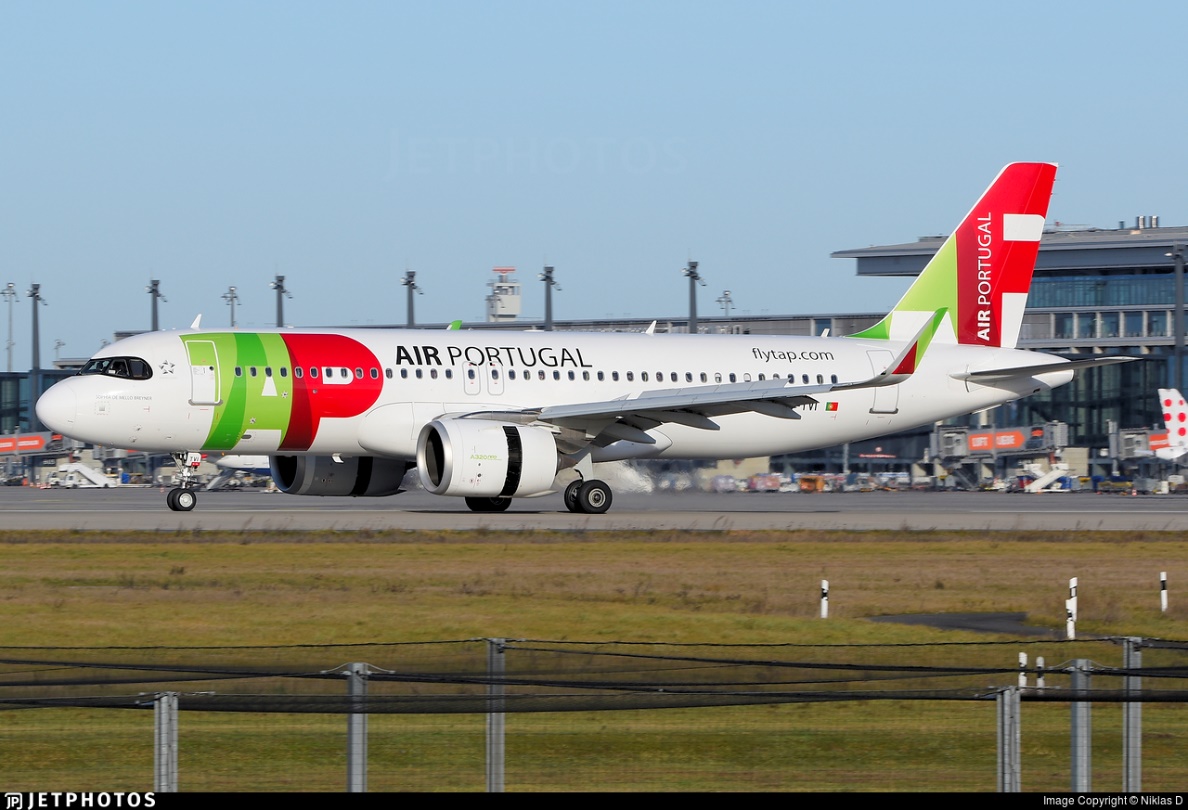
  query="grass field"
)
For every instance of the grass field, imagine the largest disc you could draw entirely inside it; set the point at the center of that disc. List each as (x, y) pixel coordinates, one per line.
(90, 589)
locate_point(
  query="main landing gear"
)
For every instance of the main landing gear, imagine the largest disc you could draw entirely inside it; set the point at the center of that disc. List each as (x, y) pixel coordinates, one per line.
(183, 498)
(590, 497)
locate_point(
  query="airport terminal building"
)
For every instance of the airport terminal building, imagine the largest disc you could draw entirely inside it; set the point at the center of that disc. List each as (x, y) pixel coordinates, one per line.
(1095, 291)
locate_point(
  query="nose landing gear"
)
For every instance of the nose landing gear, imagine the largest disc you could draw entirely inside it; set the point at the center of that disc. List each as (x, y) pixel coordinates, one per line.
(183, 498)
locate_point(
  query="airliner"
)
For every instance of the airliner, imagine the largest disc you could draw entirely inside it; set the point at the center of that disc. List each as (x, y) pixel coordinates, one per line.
(490, 416)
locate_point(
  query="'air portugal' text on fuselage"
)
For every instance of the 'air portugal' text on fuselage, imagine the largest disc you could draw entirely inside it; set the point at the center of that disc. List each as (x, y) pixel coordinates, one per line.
(520, 356)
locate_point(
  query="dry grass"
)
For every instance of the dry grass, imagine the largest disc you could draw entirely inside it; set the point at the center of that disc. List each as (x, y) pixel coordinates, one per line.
(255, 588)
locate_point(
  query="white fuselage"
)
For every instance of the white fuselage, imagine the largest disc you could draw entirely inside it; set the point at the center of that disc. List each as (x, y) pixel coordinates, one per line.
(375, 389)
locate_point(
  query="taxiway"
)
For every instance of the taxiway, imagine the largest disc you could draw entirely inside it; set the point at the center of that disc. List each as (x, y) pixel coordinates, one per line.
(145, 510)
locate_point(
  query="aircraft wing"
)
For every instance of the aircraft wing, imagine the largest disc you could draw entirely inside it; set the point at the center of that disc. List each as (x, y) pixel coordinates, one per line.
(695, 406)
(629, 418)
(705, 399)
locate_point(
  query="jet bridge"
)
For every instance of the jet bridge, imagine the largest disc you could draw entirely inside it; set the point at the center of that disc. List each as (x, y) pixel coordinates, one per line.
(974, 456)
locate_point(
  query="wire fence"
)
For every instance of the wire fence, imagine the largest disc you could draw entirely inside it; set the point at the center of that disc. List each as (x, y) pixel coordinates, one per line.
(582, 716)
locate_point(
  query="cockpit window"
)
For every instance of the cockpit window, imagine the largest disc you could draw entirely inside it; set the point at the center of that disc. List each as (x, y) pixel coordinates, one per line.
(127, 368)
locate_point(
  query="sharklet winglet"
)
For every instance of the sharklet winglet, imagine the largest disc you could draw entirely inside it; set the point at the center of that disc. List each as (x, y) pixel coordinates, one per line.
(904, 364)
(909, 359)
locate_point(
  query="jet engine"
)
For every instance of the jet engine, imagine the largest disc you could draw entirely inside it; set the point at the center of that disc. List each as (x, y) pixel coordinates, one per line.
(481, 458)
(322, 475)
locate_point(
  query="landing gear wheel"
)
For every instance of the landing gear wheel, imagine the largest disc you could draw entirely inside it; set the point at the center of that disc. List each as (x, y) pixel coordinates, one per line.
(185, 500)
(594, 497)
(571, 496)
(495, 504)
(181, 500)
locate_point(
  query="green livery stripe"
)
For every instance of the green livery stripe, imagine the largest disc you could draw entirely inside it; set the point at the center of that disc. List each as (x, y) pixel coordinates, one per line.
(260, 401)
(935, 288)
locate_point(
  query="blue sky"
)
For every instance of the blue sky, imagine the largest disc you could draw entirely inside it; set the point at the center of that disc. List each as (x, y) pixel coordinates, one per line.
(218, 144)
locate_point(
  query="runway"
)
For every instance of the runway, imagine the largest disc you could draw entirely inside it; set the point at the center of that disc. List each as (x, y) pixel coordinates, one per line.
(145, 510)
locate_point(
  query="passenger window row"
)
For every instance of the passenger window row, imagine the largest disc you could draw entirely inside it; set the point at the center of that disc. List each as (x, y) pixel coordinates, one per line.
(134, 368)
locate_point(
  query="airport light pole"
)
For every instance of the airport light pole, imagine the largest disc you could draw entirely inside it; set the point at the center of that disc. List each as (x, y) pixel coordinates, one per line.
(154, 289)
(232, 298)
(10, 293)
(35, 372)
(281, 292)
(1177, 254)
(547, 278)
(410, 281)
(726, 302)
(694, 279)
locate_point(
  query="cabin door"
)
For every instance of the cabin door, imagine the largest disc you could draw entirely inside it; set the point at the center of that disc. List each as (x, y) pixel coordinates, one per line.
(204, 372)
(886, 398)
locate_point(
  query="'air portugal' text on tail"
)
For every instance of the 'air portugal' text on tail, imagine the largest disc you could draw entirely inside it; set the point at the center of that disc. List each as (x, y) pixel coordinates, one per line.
(982, 272)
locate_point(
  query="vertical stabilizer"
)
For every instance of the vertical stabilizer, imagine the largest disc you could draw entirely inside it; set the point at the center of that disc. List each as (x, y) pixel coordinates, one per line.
(982, 272)
(1175, 417)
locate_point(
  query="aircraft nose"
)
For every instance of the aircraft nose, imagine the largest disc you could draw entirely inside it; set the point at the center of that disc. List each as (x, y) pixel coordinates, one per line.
(57, 408)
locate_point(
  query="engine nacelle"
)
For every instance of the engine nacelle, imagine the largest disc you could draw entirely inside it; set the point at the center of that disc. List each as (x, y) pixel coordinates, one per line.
(481, 458)
(322, 475)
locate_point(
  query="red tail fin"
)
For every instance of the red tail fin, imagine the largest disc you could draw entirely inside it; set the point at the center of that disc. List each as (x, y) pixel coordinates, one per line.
(982, 272)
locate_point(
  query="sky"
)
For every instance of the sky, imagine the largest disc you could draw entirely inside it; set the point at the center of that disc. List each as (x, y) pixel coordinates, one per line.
(340, 144)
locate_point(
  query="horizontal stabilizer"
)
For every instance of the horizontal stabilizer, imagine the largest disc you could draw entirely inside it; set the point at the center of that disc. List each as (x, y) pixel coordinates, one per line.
(996, 374)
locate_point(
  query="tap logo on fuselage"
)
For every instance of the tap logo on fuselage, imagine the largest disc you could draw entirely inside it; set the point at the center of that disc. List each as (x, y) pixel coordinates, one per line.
(277, 382)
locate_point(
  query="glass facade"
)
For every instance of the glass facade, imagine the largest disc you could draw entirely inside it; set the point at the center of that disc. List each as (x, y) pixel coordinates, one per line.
(14, 402)
(1158, 324)
(1133, 324)
(14, 396)
(1125, 289)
